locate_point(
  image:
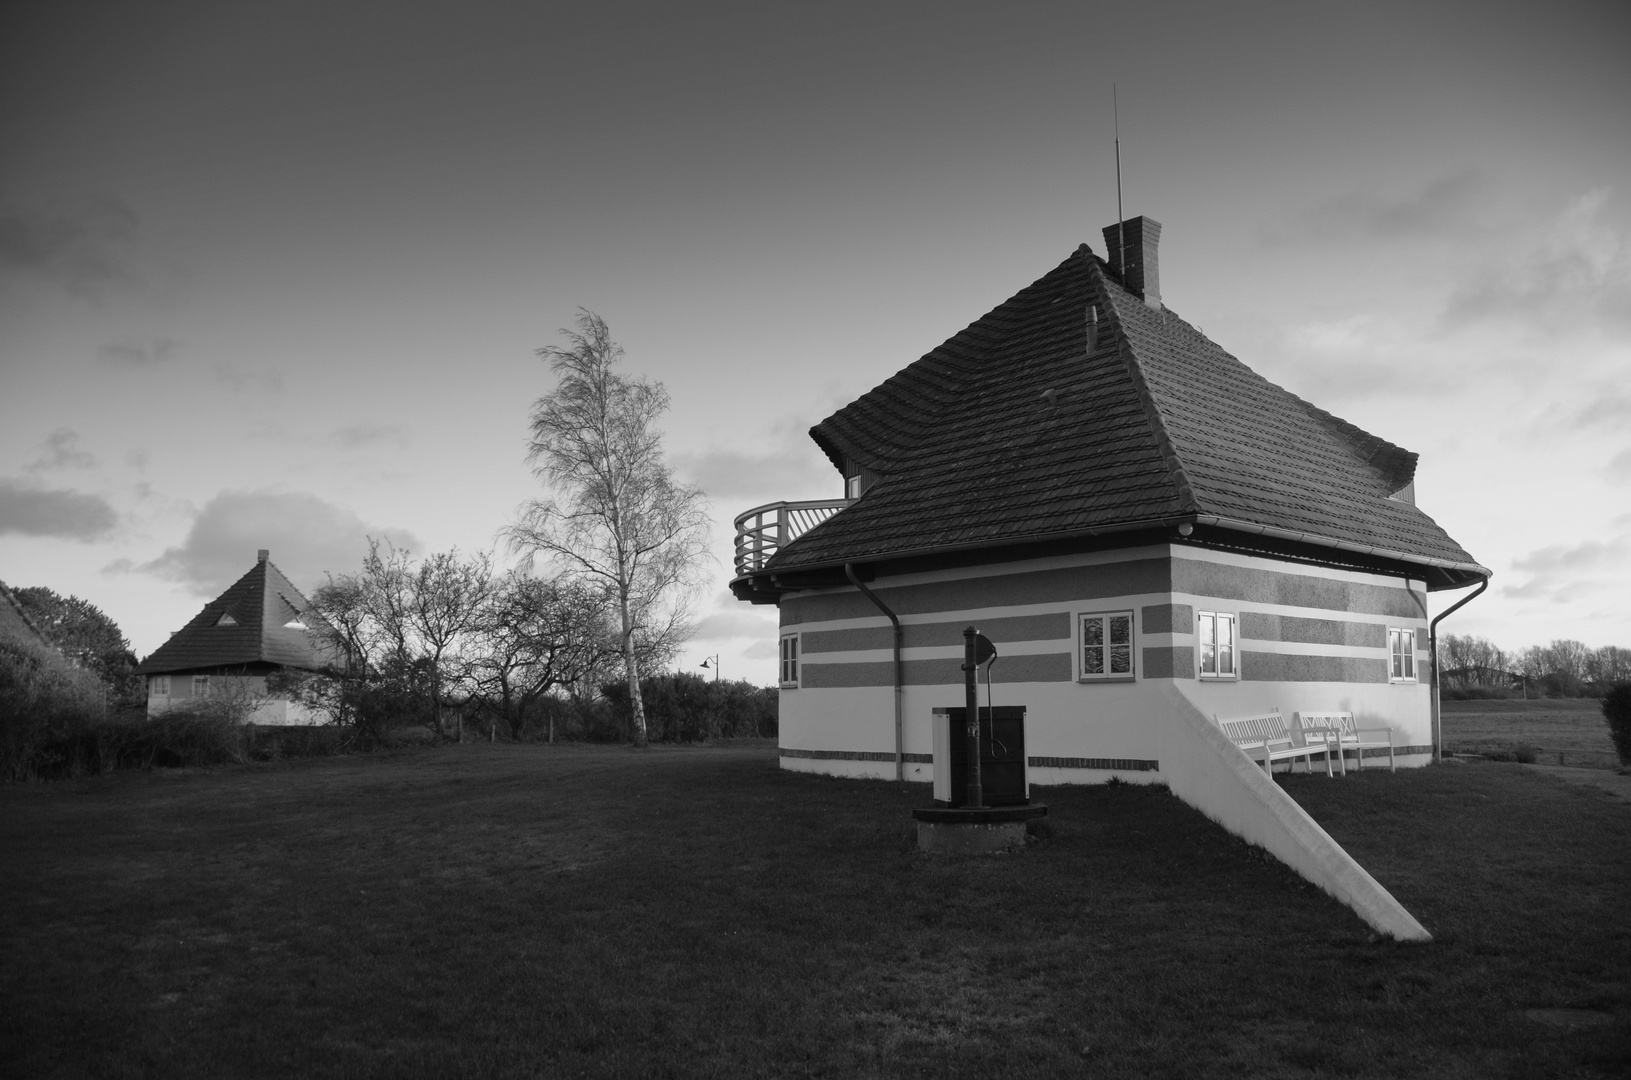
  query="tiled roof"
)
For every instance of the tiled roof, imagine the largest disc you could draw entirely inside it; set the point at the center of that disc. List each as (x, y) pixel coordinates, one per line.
(1075, 408)
(259, 603)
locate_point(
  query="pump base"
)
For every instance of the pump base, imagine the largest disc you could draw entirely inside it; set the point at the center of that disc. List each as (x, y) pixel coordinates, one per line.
(984, 830)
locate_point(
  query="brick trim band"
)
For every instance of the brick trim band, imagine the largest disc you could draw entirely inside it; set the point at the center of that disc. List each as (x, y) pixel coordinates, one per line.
(853, 755)
(1109, 764)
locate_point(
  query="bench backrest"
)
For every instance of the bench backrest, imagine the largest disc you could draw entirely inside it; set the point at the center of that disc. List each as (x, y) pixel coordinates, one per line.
(1343, 722)
(1255, 730)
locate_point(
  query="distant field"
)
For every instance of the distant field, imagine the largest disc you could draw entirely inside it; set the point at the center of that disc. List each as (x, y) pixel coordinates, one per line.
(535, 911)
(1573, 727)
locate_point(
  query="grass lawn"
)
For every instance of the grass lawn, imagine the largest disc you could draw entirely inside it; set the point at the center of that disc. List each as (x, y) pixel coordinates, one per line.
(499, 911)
(1573, 727)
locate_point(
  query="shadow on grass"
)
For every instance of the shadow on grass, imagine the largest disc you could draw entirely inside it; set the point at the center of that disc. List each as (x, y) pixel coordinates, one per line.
(536, 910)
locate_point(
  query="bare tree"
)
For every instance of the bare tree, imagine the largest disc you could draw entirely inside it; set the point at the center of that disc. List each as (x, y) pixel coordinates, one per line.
(535, 636)
(447, 596)
(618, 516)
(396, 635)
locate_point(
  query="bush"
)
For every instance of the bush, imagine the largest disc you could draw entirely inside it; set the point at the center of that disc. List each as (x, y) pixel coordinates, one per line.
(46, 705)
(269, 743)
(1617, 712)
(682, 707)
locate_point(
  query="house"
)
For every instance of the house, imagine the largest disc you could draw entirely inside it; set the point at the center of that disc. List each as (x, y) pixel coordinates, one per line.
(258, 626)
(1153, 535)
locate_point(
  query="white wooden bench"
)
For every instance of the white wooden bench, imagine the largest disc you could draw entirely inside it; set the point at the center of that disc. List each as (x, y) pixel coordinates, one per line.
(1346, 735)
(1265, 737)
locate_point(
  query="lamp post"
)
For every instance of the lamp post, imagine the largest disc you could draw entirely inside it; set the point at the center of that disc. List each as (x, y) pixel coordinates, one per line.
(714, 665)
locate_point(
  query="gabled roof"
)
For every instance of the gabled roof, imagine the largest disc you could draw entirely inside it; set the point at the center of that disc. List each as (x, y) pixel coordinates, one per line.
(244, 625)
(1075, 409)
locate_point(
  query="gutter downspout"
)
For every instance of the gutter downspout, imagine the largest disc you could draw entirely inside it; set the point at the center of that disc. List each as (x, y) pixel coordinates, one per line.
(900, 757)
(1432, 648)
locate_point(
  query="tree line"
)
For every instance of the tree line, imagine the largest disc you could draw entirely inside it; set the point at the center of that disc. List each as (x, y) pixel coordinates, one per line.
(451, 644)
(1564, 668)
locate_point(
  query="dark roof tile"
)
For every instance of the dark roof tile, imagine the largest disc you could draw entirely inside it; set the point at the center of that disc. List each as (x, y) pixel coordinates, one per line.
(261, 602)
(1149, 420)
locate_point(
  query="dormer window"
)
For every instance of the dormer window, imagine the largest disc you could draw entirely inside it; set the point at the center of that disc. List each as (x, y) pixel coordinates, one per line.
(294, 624)
(852, 487)
(226, 619)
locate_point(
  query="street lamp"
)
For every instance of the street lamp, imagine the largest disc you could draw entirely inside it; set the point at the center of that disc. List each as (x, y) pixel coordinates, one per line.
(714, 665)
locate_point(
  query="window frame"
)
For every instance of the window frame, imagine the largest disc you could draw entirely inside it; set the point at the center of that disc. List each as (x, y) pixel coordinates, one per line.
(1401, 664)
(788, 662)
(201, 682)
(1108, 644)
(1232, 618)
(158, 686)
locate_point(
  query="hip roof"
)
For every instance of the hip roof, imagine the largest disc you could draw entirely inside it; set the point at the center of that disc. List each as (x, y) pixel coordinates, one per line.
(1076, 408)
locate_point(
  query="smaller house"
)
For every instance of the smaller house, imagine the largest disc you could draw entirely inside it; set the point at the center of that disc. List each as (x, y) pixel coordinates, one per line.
(257, 627)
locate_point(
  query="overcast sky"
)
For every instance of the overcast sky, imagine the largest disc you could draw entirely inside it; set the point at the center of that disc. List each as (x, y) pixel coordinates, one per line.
(272, 275)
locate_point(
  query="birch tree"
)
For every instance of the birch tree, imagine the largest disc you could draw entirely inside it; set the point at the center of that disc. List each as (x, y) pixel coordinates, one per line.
(616, 516)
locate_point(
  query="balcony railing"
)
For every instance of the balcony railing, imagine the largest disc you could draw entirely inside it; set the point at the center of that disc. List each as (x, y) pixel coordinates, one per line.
(762, 531)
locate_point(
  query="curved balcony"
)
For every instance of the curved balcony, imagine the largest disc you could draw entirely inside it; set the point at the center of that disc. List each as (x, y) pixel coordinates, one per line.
(762, 531)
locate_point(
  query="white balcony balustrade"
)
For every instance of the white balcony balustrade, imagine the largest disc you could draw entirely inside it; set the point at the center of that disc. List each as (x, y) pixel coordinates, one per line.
(762, 531)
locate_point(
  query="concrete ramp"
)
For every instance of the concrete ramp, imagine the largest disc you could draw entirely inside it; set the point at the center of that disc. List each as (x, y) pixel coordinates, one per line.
(1209, 772)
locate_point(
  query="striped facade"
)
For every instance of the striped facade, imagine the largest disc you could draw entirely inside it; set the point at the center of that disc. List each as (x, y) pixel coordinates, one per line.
(1309, 638)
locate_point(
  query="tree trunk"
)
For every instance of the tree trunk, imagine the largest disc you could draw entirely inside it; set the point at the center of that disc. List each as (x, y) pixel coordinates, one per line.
(631, 668)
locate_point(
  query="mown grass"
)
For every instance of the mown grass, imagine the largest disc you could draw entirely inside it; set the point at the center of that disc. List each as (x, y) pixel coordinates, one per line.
(576, 910)
(1573, 727)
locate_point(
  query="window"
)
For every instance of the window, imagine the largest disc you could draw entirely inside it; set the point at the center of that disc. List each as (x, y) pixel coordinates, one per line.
(1402, 645)
(1217, 641)
(852, 487)
(790, 660)
(158, 685)
(201, 686)
(1107, 645)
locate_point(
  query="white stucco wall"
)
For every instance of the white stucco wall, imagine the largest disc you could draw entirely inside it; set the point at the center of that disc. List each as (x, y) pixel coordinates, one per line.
(266, 709)
(848, 730)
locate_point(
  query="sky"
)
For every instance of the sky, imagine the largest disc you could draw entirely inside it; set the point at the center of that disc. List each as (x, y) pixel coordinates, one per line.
(274, 276)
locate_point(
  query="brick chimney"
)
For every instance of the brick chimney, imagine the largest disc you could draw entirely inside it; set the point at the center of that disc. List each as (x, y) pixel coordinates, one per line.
(262, 555)
(1140, 236)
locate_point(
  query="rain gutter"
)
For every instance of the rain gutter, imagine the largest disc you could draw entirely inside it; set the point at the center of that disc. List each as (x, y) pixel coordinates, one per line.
(900, 757)
(1169, 521)
(1432, 648)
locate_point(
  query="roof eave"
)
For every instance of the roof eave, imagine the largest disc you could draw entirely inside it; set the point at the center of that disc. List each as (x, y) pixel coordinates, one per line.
(743, 586)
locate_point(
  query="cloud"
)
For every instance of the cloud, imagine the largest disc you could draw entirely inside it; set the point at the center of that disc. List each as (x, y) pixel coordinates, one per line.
(1444, 208)
(307, 537)
(1579, 267)
(86, 252)
(138, 352)
(269, 382)
(69, 515)
(730, 625)
(1608, 409)
(784, 464)
(62, 451)
(761, 650)
(1564, 572)
(356, 436)
(1619, 470)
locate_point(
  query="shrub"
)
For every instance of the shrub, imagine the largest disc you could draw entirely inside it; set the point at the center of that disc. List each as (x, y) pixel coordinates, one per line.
(1617, 712)
(47, 707)
(682, 707)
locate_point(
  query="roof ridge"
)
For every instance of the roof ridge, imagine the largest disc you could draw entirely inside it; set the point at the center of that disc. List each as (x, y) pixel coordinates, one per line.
(1124, 346)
